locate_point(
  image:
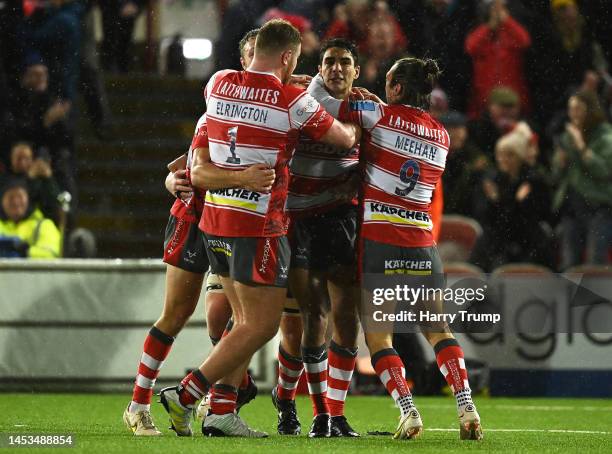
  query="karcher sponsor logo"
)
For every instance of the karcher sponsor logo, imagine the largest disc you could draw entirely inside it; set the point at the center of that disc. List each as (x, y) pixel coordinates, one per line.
(381, 212)
(410, 267)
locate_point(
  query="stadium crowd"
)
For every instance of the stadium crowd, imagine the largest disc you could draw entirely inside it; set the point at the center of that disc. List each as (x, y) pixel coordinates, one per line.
(525, 94)
(49, 54)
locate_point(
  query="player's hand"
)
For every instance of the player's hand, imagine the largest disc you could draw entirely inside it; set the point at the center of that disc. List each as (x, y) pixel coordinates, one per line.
(301, 80)
(490, 190)
(178, 184)
(40, 169)
(365, 94)
(576, 136)
(523, 191)
(58, 111)
(258, 178)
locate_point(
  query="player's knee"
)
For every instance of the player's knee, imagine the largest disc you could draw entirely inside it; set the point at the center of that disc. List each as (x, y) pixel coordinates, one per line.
(262, 332)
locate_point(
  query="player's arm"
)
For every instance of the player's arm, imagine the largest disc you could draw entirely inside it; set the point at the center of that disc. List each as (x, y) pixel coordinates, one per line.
(343, 135)
(309, 116)
(206, 175)
(364, 109)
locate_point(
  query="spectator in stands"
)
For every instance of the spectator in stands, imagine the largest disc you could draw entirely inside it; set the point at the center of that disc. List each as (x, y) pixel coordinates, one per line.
(91, 83)
(465, 165)
(438, 28)
(42, 119)
(54, 33)
(118, 18)
(24, 231)
(355, 19)
(308, 62)
(582, 167)
(383, 50)
(501, 116)
(516, 209)
(42, 187)
(564, 49)
(497, 50)
(438, 103)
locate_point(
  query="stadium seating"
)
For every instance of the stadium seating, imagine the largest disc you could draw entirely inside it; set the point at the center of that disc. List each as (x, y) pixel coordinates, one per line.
(458, 236)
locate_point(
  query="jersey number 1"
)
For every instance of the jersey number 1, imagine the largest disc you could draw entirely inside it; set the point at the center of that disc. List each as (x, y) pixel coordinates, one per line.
(232, 133)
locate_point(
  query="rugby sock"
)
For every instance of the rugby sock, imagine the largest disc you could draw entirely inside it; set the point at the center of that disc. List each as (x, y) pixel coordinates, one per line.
(449, 357)
(157, 345)
(290, 370)
(390, 370)
(315, 363)
(223, 399)
(340, 372)
(193, 387)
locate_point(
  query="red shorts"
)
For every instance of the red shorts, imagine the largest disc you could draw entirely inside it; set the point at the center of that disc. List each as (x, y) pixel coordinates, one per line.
(184, 246)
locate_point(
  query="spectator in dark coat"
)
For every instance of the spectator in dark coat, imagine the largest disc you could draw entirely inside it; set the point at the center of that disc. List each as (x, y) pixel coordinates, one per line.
(515, 210)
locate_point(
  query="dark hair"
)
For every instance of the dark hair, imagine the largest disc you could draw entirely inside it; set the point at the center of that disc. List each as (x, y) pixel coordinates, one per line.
(245, 39)
(342, 44)
(594, 113)
(417, 78)
(277, 35)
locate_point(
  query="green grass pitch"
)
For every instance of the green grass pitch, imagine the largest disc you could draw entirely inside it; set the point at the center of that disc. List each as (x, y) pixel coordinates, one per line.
(510, 425)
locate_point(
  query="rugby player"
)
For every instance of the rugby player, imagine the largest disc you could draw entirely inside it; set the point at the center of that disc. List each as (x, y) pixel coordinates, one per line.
(405, 151)
(187, 262)
(218, 310)
(322, 205)
(254, 118)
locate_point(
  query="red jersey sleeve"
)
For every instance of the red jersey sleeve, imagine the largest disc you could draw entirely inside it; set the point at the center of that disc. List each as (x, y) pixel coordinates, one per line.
(200, 138)
(306, 114)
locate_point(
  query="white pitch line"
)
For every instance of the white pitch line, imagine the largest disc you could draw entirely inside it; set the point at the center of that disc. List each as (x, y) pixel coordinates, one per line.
(527, 407)
(588, 432)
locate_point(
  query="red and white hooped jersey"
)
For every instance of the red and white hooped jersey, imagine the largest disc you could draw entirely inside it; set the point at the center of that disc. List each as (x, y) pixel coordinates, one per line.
(317, 169)
(405, 151)
(190, 209)
(252, 119)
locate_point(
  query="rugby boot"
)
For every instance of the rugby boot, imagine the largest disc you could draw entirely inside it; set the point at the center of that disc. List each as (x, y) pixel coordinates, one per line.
(469, 423)
(140, 423)
(180, 416)
(339, 427)
(228, 425)
(320, 427)
(247, 394)
(288, 422)
(410, 426)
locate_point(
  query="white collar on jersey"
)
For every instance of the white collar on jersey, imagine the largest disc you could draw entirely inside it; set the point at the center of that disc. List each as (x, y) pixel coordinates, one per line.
(263, 72)
(414, 107)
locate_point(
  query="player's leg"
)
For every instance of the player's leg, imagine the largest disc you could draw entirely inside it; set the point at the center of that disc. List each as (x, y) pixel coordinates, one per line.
(344, 297)
(290, 368)
(248, 260)
(224, 393)
(309, 289)
(451, 362)
(379, 338)
(308, 284)
(342, 353)
(183, 285)
(217, 306)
